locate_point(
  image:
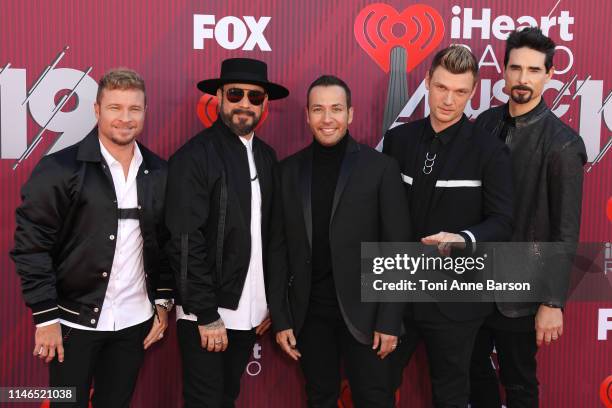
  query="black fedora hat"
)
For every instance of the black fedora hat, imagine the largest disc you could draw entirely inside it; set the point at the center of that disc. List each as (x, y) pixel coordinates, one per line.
(247, 71)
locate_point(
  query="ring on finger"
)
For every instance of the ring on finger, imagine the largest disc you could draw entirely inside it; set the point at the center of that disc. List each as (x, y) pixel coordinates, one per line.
(42, 348)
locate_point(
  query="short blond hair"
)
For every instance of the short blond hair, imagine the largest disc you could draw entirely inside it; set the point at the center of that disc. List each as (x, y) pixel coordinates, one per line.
(120, 78)
(456, 59)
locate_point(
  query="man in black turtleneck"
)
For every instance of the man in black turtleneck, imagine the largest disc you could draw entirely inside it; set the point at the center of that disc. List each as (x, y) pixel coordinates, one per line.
(326, 162)
(329, 198)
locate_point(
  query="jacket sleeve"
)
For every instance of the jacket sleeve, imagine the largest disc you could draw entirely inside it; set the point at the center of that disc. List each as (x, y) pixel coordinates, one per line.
(497, 201)
(166, 283)
(395, 227)
(45, 201)
(387, 147)
(565, 178)
(187, 214)
(278, 265)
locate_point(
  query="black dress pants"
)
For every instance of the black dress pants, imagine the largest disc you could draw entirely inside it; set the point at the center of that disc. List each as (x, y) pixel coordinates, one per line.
(325, 342)
(111, 359)
(448, 345)
(212, 379)
(516, 355)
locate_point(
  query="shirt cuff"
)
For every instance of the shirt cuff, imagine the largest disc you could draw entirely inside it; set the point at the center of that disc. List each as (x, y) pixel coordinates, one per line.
(470, 240)
(50, 322)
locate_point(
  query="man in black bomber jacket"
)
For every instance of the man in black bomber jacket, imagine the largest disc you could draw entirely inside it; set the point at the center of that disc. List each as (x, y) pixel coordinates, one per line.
(218, 212)
(88, 249)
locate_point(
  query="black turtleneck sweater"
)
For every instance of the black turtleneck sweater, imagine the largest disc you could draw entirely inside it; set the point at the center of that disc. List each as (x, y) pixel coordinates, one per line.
(326, 163)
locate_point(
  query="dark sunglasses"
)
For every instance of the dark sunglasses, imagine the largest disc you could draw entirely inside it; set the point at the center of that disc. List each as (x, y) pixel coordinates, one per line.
(235, 95)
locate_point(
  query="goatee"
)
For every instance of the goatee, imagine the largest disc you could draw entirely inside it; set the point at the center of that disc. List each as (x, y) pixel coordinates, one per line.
(242, 127)
(518, 98)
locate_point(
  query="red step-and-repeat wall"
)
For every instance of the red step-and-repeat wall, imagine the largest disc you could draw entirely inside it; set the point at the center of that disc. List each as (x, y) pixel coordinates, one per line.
(53, 52)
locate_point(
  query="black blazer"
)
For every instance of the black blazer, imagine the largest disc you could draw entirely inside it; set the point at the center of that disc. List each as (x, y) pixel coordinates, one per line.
(473, 193)
(369, 205)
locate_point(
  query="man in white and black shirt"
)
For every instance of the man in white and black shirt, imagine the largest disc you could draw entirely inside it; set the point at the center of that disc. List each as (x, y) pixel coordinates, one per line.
(218, 213)
(88, 250)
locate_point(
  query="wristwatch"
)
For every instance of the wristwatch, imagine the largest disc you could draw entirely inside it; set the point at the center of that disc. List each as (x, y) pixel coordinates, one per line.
(166, 304)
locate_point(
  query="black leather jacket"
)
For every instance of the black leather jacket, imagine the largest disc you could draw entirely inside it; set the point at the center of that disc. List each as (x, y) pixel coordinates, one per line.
(66, 228)
(547, 165)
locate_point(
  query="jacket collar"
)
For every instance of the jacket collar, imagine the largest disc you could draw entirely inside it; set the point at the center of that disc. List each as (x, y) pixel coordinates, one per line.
(528, 118)
(348, 164)
(89, 151)
(89, 147)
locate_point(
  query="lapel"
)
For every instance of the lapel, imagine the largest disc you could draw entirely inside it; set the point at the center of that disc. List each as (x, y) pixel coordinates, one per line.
(89, 151)
(145, 181)
(412, 160)
(305, 175)
(262, 168)
(143, 189)
(459, 147)
(348, 164)
(233, 154)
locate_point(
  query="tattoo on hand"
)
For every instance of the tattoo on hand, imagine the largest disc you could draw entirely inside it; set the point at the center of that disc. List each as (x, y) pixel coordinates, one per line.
(217, 324)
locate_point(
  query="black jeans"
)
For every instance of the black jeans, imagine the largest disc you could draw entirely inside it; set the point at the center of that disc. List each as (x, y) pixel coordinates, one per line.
(325, 342)
(212, 379)
(516, 355)
(448, 345)
(111, 359)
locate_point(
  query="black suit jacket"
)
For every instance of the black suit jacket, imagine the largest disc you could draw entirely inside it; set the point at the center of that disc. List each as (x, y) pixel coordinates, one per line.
(473, 193)
(369, 205)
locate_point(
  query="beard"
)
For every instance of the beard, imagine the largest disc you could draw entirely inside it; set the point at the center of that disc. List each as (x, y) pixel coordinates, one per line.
(518, 98)
(241, 127)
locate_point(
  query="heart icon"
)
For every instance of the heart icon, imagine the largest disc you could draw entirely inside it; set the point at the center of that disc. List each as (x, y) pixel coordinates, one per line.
(379, 28)
(207, 111)
(605, 392)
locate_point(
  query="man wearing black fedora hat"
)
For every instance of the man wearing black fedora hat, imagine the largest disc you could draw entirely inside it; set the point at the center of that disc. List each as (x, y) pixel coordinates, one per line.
(218, 210)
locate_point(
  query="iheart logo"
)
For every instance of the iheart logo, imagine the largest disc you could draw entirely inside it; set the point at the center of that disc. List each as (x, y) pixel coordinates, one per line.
(379, 28)
(605, 392)
(207, 111)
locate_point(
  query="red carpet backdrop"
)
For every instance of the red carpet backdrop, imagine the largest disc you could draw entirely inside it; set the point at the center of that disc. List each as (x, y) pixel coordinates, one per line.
(53, 52)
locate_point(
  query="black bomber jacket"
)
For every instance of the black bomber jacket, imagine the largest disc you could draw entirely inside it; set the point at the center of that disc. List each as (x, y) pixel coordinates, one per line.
(208, 214)
(66, 228)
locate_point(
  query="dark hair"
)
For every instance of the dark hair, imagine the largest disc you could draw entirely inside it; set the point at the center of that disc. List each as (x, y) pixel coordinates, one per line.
(531, 37)
(120, 78)
(330, 80)
(456, 59)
